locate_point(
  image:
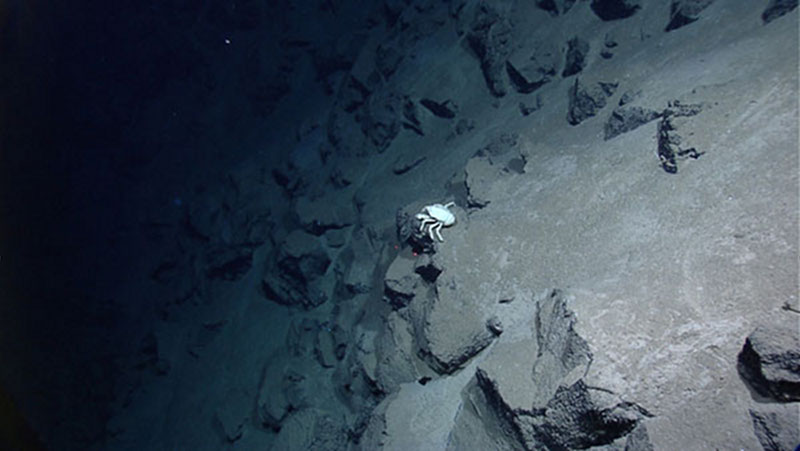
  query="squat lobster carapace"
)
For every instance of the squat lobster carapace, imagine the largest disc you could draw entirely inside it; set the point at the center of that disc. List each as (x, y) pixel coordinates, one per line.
(435, 217)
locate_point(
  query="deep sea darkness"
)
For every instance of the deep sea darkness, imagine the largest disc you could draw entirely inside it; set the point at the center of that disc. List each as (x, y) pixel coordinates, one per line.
(73, 78)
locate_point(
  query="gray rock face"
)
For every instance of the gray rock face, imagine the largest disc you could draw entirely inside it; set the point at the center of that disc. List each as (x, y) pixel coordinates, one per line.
(770, 363)
(552, 407)
(776, 429)
(453, 330)
(499, 158)
(400, 282)
(397, 346)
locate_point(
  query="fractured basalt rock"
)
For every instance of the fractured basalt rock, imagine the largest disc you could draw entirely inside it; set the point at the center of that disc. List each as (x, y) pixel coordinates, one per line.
(586, 101)
(577, 50)
(520, 82)
(555, 7)
(282, 390)
(453, 331)
(500, 157)
(357, 262)
(380, 119)
(615, 9)
(311, 428)
(777, 8)
(445, 110)
(400, 283)
(295, 277)
(491, 41)
(530, 71)
(325, 213)
(540, 398)
(625, 119)
(770, 362)
(775, 427)
(684, 12)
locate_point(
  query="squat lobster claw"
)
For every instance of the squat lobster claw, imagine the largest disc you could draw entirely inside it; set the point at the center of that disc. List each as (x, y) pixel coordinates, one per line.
(435, 217)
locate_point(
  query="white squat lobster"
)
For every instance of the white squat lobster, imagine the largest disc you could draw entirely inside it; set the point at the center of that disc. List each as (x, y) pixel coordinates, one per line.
(435, 217)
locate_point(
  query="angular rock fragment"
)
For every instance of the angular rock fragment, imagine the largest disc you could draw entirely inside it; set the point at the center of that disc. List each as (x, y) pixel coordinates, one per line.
(233, 414)
(490, 38)
(281, 391)
(301, 335)
(311, 428)
(528, 109)
(446, 109)
(615, 9)
(400, 282)
(500, 157)
(404, 164)
(625, 119)
(684, 12)
(777, 8)
(398, 355)
(464, 126)
(577, 50)
(331, 211)
(628, 97)
(776, 429)
(330, 344)
(521, 83)
(608, 44)
(295, 278)
(586, 101)
(380, 119)
(352, 95)
(480, 176)
(530, 72)
(229, 264)
(555, 7)
(580, 417)
(388, 57)
(357, 263)
(345, 135)
(411, 116)
(638, 439)
(545, 404)
(770, 362)
(453, 331)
